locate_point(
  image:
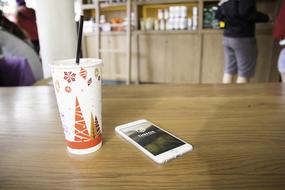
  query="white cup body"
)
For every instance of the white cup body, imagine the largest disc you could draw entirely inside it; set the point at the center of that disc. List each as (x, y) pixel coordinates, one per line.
(78, 94)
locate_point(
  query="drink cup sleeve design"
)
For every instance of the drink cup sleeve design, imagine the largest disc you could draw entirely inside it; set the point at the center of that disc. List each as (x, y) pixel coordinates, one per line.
(78, 93)
(82, 138)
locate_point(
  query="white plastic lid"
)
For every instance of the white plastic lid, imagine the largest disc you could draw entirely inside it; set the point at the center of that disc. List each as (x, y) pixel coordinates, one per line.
(71, 63)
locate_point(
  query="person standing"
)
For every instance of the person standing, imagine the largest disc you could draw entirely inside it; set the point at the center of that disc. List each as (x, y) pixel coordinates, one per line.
(26, 20)
(240, 48)
(279, 34)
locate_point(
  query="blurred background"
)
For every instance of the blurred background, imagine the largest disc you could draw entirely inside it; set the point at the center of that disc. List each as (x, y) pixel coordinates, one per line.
(140, 41)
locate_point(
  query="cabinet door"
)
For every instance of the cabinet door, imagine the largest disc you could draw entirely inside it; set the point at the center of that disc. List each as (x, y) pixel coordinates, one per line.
(114, 62)
(90, 44)
(152, 58)
(169, 58)
(213, 58)
(264, 58)
(183, 58)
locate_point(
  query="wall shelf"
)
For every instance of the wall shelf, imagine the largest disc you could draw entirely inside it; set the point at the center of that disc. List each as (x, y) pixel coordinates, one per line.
(88, 6)
(166, 2)
(169, 32)
(157, 56)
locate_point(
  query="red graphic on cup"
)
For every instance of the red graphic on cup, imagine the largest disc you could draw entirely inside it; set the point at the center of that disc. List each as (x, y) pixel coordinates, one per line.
(89, 81)
(68, 89)
(83, 73)
(82, 139)
(69, 76)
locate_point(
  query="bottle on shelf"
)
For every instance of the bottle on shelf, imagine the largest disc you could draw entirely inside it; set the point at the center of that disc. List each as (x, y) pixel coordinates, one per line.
(166, 14)
(183, 11)
(173, 18)
(170, 24)
(210, 20)
(142, 25)
(156, 25)
(177, 19)
(195, 18)
(149, 24)
(114, 1)
(189, 24)
(162, 25)
(176, 23)
(160, 14)
(183, 23)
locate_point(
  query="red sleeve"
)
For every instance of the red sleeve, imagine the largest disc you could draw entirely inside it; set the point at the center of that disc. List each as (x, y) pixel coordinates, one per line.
(279, 29)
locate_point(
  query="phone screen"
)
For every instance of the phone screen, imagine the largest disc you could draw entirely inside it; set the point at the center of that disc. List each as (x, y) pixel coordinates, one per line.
(152, 138)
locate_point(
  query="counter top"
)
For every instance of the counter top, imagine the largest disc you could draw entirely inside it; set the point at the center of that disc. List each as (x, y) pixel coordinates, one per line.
(238, 134)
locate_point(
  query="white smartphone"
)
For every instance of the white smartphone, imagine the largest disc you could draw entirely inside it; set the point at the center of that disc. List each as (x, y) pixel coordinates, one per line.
(156, 143)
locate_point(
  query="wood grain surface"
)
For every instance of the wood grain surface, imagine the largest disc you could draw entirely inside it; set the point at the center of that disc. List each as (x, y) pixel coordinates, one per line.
(238, 134)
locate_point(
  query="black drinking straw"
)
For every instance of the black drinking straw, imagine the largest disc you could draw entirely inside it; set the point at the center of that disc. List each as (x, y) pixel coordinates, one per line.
(79, 39)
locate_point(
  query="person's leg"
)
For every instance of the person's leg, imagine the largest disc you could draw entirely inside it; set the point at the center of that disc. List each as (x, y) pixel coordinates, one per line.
(228, 78)
(242, 80)
(246, 54)
(230, 68)
(281, 64)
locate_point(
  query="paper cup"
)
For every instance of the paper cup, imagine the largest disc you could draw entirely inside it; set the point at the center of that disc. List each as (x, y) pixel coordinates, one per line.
(78, 94)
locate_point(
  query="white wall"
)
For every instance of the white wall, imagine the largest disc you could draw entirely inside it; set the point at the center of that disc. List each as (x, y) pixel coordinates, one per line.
(57, 31)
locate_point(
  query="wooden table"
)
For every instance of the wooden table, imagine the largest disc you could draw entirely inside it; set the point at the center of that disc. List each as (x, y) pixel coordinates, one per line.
(238, 133)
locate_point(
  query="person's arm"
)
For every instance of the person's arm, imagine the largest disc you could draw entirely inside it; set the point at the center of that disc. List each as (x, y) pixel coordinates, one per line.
(261, 17)
(219, 14)
(247, 11)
